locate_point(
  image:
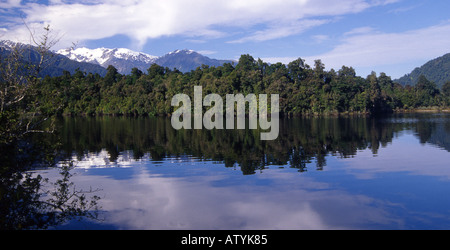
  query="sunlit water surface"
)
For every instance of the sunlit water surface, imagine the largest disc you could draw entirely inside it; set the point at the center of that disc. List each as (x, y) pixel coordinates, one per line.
(321, 173)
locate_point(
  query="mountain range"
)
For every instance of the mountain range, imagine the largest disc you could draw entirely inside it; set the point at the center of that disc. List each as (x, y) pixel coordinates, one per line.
(124, 59)
(97, 60)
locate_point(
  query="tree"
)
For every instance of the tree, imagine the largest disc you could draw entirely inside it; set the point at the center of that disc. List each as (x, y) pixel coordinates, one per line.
(296, 69)
(446, 93)
(21, 201)
(246, 63)
(426, 91)
(446, 89)
(155, 70)
(135, 75)
(430, 88)
(112, 75)
(19, 83)
(376, 105)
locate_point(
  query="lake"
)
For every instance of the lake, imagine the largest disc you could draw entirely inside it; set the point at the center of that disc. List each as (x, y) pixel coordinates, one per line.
(321, 173)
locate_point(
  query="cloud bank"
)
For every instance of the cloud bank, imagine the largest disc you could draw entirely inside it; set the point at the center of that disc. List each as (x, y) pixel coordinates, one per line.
(141, 20)
(230, 22)
(365, 47)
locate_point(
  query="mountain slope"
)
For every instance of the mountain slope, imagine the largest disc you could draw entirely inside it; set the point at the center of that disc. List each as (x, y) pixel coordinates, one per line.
(124, 59)
(437, 71)
(187, 60)
(57, 63)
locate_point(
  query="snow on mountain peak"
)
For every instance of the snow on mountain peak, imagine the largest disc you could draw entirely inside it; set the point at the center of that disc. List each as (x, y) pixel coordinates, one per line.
(103, 55)
(7, 44)
(124, 60)
(186, 51)
(129, 54)
(85, 55)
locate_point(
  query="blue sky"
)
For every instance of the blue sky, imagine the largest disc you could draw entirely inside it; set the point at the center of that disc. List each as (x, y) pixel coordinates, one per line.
(391, 36)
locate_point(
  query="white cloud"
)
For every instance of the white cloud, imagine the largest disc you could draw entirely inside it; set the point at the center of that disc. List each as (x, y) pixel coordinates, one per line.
(9, 4)
(360, 30)
(361, 48)
(405, 9)
(320, 38)
(281, 30)
(283, 60)
(367, 49)
(142, 20)
(207, 52)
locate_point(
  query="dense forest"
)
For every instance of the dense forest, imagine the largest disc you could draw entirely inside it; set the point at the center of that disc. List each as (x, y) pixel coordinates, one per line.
(303, 90)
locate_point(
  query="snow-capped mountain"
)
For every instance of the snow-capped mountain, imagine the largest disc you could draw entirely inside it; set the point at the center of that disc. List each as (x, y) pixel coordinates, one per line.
(9, 44)
(102, 55)
(56, 64)
(187, 60)
(124, 59)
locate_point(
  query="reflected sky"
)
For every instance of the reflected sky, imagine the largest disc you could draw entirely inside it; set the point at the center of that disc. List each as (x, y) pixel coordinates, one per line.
(209, 196)
(404, 185)
(404, 155)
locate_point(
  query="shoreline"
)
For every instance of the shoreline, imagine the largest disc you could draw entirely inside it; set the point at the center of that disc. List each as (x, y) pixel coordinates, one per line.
(328, 114)
(423, 110)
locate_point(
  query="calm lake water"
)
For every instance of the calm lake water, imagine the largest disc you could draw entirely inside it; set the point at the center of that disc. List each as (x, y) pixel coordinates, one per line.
(321, 173)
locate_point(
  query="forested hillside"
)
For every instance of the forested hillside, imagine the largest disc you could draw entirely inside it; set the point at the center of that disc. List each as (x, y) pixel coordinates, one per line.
(303, 89)
(437, 71)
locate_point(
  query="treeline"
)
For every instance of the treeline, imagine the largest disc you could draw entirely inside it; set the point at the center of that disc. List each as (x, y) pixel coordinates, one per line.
(303, 90)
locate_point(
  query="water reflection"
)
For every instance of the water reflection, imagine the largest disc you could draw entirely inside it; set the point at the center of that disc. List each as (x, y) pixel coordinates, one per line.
(300, 142)
(376, 173)
(280, 200)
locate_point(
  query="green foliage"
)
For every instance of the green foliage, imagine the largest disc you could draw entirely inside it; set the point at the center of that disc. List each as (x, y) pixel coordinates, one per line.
(303, 90)
(26, 107)
(446, 89)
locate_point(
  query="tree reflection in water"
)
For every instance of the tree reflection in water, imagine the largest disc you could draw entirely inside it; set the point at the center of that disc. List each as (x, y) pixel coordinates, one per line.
(301, 140)
(29, 201)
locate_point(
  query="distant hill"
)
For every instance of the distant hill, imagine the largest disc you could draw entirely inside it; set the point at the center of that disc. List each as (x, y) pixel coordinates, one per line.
(437, 71)
(57, 63)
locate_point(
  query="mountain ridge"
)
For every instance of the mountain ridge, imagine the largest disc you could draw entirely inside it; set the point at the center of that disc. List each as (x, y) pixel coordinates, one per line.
(186, 60)
(124, 59)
